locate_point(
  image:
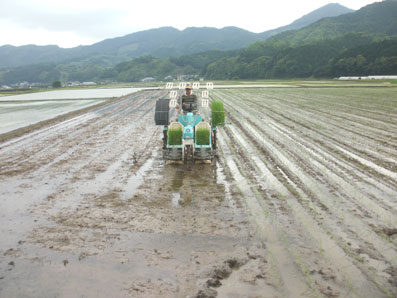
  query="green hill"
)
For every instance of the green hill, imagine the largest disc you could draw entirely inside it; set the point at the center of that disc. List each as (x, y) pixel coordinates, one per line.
(160, 42)
(378, 19)
(329, 10)
(359, 43)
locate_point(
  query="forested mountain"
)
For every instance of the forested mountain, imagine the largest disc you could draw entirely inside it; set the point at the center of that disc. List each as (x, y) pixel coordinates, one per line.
(170, 42)
(378, 19)
(351, 54)
(369, 48)
(359, 43)
(329, 10)
(160, 42)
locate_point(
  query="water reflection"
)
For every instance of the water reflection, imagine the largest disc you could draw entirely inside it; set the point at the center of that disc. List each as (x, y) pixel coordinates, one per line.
(72, 94)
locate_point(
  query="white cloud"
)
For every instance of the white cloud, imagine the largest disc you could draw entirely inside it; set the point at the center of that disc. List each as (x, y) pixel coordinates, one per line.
(18, 35)
(70, 23)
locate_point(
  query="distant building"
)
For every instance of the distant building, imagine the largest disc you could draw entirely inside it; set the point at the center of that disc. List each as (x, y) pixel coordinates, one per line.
(38, 85)
(148, 79)
(382, 77)
(88, 84)
(169, 78)
(186, 77)
(5, 87)
(73, 84)
(24, 85)
(385, 77)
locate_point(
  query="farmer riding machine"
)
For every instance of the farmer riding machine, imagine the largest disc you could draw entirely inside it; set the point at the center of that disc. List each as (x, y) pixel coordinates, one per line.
(189, 132)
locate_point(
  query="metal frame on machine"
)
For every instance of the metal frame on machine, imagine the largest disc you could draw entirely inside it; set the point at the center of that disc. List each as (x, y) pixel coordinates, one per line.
(187, 150)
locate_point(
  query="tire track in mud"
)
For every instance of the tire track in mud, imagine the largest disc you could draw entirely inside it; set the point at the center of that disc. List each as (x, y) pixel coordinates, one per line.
(290, 154)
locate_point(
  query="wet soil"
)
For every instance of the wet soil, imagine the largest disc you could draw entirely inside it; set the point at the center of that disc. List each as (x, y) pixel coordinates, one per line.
(90, 209)
(289, 208)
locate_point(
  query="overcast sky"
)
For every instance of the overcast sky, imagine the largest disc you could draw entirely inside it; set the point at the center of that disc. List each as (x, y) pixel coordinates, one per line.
(70, 23)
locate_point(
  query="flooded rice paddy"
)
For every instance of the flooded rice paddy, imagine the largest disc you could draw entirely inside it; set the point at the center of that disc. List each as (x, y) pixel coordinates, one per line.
(94, 93)
(22, 110)
(300, 202)
(17, 115)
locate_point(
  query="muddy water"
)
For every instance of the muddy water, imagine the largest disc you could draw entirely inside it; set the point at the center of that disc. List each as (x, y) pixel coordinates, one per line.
(16, 115)
(72, 94)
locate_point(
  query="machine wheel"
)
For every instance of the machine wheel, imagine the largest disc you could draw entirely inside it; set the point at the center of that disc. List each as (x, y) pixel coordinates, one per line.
(188, 156)
(161, 116)
(214, 140)
(165, 136)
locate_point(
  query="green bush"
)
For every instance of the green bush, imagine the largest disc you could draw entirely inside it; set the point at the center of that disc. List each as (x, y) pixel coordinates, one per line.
(175, 136)
(218, 113)
(202, 136)
(56, 84)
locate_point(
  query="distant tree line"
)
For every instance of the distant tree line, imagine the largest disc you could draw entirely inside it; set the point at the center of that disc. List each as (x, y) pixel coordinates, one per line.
(353, 54)
(38, 73)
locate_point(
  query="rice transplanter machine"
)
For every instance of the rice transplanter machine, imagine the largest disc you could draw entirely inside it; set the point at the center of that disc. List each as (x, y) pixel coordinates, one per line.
(189, 133)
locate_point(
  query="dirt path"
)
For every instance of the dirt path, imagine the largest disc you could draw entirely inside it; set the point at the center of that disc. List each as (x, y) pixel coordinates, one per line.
(300, 203)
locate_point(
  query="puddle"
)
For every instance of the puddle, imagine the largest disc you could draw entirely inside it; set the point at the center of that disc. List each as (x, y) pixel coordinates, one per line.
(137, 179)
(221, 180)
(15, 218)
(14, 118)
(176, 199)
(177, 181)
(136, 265)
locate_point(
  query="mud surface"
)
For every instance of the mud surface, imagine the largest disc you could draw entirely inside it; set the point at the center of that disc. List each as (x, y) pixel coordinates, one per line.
(301, 202)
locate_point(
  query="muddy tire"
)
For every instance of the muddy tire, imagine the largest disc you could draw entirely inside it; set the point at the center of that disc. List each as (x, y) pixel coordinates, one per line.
(165, 136)
(188, 157)
(214, 140)
(161, 116)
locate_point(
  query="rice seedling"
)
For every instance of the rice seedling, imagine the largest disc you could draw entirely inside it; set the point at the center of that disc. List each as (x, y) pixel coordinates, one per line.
(218, 113)
(175, 136)
(202, 136)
